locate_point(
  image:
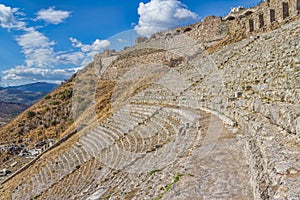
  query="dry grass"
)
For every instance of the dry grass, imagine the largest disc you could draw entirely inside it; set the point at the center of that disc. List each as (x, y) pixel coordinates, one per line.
(48, 118)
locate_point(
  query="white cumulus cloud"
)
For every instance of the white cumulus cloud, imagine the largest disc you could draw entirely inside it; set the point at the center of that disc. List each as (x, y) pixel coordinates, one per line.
(37, 48)
(96, 46)
(90, 50)
(8, 19)
(159, 15)
(74, 58)
(42, 61)
(53, 16)
(21, 74)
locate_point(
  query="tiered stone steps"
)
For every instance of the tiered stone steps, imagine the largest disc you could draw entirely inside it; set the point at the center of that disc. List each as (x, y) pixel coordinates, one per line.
(155, 94)
(72, 183)
(56, 170)
(122, 140)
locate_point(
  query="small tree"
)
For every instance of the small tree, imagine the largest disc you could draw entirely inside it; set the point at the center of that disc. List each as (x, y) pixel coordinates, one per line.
(30, 114)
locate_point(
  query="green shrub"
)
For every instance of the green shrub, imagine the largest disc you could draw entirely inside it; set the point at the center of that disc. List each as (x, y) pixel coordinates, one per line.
(48, 97)
(54, 103)
(30, 114)
(53, 122)
(66, 94)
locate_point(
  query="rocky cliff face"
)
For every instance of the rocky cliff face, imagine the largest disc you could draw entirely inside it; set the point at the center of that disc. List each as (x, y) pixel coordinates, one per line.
(180, 118)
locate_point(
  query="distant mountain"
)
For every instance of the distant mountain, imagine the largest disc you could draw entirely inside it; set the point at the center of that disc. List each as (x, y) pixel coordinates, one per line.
(26, 94)
(36, 87)
(15, 99)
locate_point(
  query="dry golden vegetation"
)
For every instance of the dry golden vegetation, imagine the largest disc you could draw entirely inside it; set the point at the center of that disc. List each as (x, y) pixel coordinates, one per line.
(48, 118)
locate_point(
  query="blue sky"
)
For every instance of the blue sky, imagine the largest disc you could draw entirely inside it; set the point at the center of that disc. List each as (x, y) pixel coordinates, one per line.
(48, 40)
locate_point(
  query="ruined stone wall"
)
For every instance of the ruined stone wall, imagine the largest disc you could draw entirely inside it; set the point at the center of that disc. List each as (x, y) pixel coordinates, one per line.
(267, 15)
(278, 6)
(270, 12)
(263, 16)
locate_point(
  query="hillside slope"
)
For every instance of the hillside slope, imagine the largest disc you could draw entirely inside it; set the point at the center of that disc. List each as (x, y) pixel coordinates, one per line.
(179, 118)
(25, 94)
(15, 99)
(47, 114)
(49, 118)
(36, 87)
(9, 111)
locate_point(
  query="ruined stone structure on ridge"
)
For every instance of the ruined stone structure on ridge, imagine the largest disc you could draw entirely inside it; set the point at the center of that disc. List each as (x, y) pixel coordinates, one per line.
(266, 16)
(246, 21)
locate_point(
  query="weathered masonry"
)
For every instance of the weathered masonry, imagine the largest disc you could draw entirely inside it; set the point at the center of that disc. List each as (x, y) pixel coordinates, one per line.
(277, 11)
(267, 15)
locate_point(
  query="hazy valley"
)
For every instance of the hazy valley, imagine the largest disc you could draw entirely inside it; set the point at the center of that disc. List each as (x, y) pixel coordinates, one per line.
(16, 99)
